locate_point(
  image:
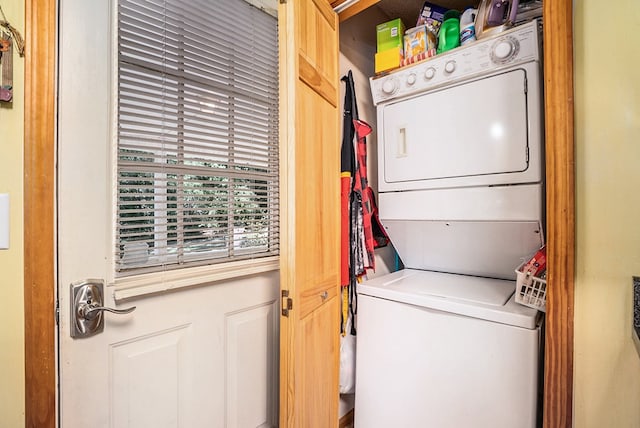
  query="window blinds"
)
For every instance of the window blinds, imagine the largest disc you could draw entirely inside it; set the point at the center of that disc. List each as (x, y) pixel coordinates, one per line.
(197, 171)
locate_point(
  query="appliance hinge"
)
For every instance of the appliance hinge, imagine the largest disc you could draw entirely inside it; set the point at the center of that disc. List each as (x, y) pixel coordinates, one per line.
(526, 85)
(57, 312)
(287, 303)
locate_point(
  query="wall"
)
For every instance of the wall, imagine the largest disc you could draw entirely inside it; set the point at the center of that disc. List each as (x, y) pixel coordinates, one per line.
(11, 261)
(607, 96)
(357, 49)
(607, 102)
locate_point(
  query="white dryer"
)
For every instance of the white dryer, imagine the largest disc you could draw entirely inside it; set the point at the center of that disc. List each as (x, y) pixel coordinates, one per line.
(442, 343)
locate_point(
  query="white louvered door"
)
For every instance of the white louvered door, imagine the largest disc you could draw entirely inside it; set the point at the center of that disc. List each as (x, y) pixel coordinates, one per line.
(170, 197)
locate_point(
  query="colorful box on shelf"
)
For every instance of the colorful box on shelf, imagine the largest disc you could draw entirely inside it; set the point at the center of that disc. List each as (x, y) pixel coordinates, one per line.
(432, 16)
(419, 41)
(417, 58)
(388, 60)
(389, 35)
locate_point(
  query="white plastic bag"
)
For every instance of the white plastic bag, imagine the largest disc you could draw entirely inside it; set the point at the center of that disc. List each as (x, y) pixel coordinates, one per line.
(348, 360)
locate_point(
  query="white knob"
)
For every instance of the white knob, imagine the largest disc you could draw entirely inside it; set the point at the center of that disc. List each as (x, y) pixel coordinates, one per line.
(429, 73)
(503, 49)
(411, 79)
(389, 86)
(450, 66)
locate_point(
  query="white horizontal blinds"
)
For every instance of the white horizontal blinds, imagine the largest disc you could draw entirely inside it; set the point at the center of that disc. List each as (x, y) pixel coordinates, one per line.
(197, 134)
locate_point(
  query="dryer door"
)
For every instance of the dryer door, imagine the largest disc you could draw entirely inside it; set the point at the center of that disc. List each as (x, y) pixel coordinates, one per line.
(475, 133)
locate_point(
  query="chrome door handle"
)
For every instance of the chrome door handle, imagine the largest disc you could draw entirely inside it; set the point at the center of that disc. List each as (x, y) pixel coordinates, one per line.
(87, 300)
(89, 311)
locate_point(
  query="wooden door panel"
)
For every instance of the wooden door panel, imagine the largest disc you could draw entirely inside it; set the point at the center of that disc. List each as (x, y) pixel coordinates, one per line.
(311, 77)
(316, 249)
(316, 32)
(317, 180)
(318, 353)
(310, 214)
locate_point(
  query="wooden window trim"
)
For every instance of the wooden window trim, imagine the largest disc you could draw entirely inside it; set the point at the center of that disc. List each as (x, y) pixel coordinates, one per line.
(39, 213)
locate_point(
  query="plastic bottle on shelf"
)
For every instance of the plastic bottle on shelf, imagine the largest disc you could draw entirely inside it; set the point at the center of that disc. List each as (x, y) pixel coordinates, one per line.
(449, 36)
(468, 26)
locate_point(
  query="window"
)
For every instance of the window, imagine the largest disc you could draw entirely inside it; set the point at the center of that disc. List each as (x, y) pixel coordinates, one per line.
(197, 134)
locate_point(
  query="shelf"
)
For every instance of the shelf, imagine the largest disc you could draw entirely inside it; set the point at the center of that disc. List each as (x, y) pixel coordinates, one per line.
(407, 10)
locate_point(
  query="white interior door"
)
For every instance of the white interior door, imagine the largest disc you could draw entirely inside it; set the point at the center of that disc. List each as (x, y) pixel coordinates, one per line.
(201, 355)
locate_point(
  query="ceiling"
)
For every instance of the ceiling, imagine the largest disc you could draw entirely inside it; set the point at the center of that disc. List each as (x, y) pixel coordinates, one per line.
(409, 10)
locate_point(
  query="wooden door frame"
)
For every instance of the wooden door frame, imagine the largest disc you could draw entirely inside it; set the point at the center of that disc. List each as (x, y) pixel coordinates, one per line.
(39, 212)
(560, 171)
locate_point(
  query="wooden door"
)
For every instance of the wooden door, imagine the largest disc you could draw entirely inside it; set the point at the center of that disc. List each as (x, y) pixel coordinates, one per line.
(201, 355)
(310, 214)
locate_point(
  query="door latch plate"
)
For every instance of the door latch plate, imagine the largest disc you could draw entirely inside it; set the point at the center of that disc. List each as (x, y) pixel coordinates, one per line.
(86, 292)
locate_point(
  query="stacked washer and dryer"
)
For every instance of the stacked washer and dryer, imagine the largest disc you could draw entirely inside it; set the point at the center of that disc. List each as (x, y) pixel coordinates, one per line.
(442, 343)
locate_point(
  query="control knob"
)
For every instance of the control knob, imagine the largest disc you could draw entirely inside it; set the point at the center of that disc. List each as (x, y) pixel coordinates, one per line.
(504, 50)
(389, 86)
(450, 66)
(429, 73)
(411, 79)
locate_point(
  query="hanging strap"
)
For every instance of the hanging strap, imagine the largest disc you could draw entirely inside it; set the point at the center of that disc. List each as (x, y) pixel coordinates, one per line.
(352, 88)
(347, 155)
(347, 173)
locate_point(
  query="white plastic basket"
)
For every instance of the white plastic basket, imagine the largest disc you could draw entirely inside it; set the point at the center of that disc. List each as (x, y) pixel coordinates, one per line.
(531, 291)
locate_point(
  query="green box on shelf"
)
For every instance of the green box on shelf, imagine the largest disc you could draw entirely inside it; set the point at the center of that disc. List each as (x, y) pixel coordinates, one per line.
(390, 35)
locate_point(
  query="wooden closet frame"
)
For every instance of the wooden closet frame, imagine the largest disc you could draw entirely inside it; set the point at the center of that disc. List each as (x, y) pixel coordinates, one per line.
(40, 220)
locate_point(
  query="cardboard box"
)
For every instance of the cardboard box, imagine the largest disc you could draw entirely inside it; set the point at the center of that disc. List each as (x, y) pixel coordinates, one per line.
(537, 264)
(418, 41)
(432, 16)
(389, 35)
(388, 60)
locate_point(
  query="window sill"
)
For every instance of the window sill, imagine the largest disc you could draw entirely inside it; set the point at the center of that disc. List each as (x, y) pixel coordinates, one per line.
(161, 282)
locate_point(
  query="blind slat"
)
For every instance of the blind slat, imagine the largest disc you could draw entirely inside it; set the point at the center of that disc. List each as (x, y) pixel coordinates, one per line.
(197, 175)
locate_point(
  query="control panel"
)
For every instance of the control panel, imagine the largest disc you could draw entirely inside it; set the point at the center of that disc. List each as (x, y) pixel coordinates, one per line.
(516, 46)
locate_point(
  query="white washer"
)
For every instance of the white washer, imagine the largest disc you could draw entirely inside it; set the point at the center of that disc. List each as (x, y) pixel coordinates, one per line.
(445, 351)
(442, 343)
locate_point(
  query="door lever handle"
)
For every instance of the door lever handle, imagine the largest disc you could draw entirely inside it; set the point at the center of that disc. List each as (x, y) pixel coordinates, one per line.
(88, 311)
(87, 306)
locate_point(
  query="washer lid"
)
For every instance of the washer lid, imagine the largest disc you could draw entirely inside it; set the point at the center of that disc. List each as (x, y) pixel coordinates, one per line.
(484, 298)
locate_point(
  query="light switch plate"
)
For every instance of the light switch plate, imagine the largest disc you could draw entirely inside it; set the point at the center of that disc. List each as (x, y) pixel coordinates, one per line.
(4, 221)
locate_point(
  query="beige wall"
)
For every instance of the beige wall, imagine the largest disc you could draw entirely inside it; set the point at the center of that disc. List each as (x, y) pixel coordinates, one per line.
(11, 261)
(607, 366)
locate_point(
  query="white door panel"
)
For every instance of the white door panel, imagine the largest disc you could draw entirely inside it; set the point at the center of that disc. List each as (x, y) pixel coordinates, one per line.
(201, 356)
(197, 357)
